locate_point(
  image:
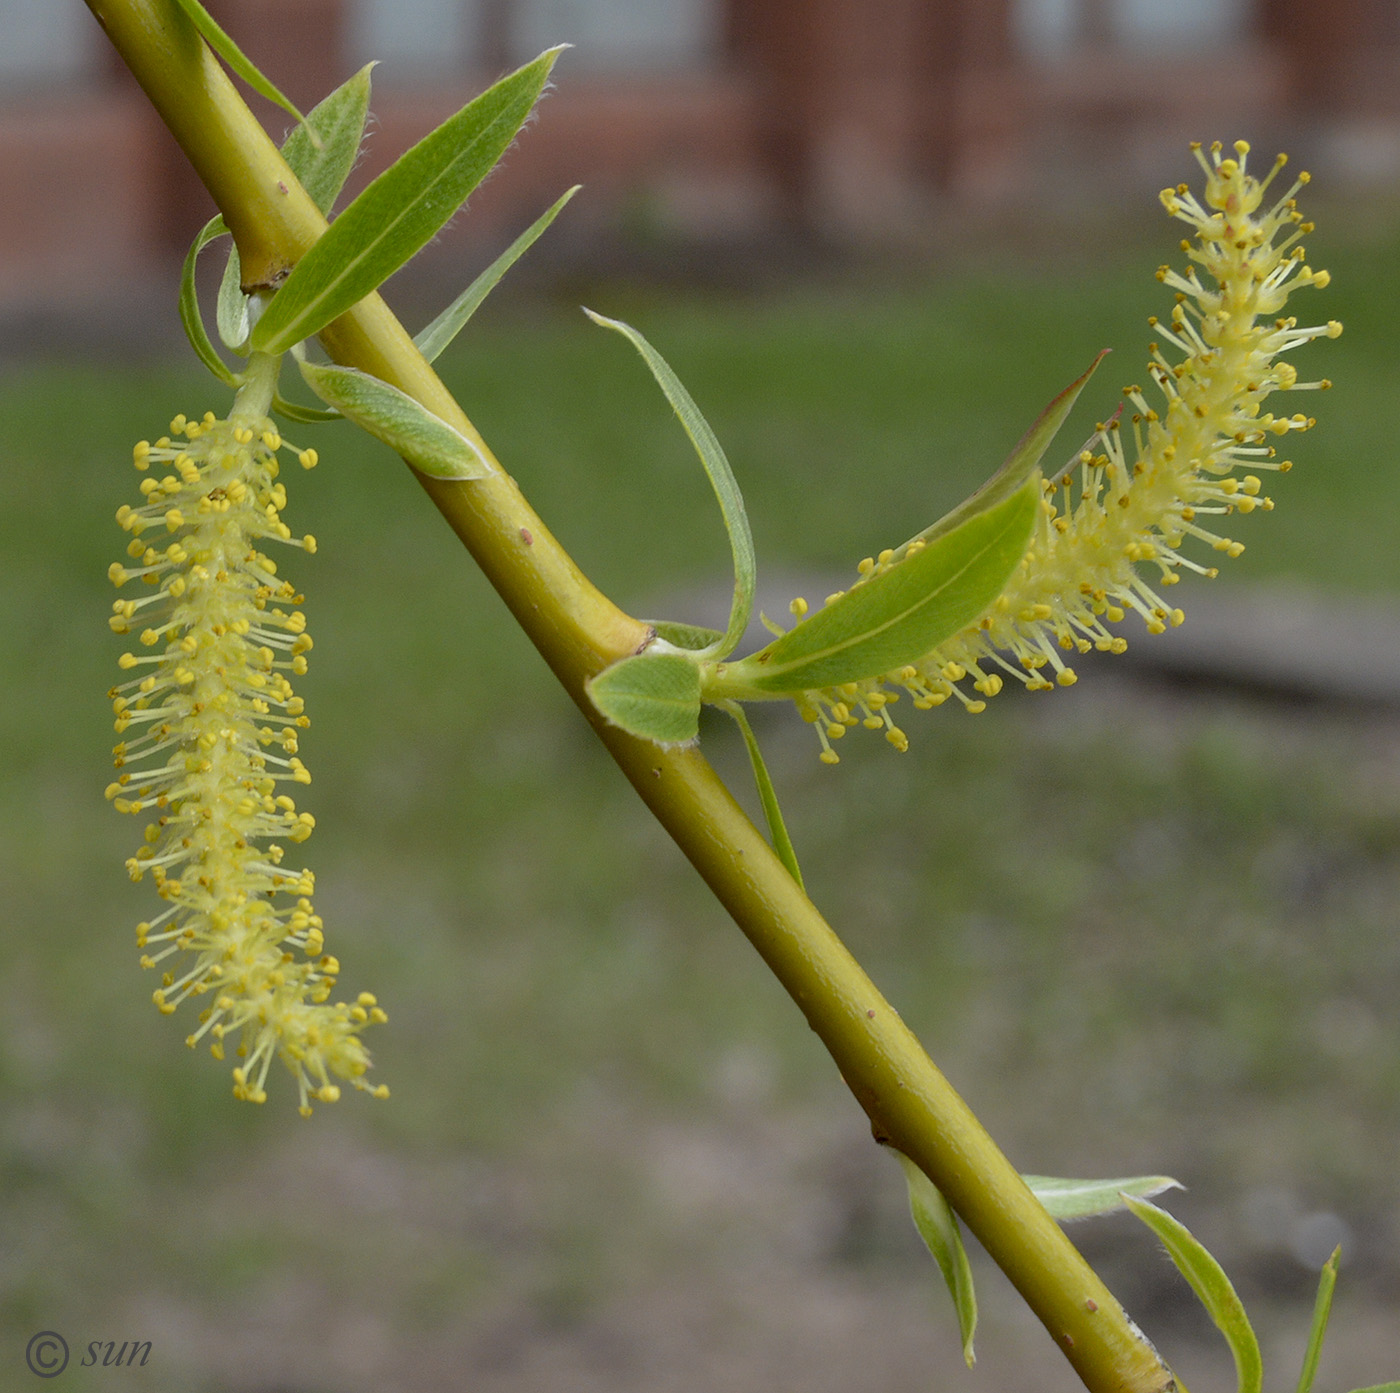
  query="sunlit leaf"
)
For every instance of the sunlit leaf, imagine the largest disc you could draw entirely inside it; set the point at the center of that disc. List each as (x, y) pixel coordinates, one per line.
(403, 209)
(938, 1227)
(432, 340)
(716, 464)
(1212, 1288)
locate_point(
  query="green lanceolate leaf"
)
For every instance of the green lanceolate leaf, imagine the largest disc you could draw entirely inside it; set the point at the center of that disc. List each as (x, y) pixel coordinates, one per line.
(655, 696)
(231, 313)
(432, 340)
(939, 582)
(338, 122)
(426, 441)
(190, 316)
(1023, 460)
(1082, 1199)
(322, 169)
(403, 209)
(234, 56)
(1322, 1313)
(938, 1227)
(1212, 1288)
(898, 616)
(712, 456)
(767, 794)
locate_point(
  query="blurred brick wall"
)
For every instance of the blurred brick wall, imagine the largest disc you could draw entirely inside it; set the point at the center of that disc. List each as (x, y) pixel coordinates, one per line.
(854, 117)
(80, 195)
(867, 108)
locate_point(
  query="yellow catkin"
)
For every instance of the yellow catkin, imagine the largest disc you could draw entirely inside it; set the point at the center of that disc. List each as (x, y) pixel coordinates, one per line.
(209, 728)
(1152, 478)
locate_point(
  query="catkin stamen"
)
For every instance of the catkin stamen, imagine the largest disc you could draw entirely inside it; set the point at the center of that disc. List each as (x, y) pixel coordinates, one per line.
(225, 629)
(1138, 491)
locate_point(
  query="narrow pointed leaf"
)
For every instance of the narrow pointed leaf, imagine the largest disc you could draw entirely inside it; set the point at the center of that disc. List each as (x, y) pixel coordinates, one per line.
(234, 56)
(938, 1227)
(190, 316)
(402, 210)
(897, 617)
(767, 794)
(339, 124)
(939, 582)
(1212, 1288)
(432, 340)
(1322, 1313)
(655, 696)
(426, 441)
(712, 456)
(305, 415)
(1082, 1199)
(1023, 460)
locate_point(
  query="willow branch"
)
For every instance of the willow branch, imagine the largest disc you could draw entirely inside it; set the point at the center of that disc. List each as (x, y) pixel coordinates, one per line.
(579, 632)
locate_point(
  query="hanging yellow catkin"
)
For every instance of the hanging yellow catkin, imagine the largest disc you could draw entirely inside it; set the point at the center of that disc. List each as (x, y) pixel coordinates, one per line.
(210, 727)
(1143, 487)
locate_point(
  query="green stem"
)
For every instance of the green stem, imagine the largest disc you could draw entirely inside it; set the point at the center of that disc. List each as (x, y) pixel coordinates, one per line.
(579, 632)
(254, 399)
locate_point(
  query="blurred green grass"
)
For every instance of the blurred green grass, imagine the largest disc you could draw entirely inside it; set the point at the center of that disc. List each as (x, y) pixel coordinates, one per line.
(1142, 932)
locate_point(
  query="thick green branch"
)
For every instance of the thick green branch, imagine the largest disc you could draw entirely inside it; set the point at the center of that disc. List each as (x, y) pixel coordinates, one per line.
(579, 632)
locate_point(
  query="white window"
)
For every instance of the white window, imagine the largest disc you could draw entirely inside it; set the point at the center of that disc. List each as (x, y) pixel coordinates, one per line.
(615, 35)
(1047, 28)
(414, 38)
(1054, 28)
(1183, 24)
